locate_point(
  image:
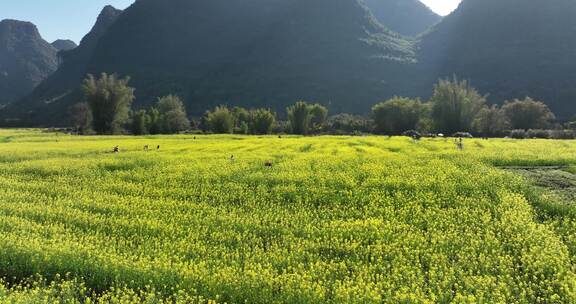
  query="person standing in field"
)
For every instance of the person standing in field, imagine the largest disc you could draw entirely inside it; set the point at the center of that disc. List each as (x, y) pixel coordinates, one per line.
(460, 144)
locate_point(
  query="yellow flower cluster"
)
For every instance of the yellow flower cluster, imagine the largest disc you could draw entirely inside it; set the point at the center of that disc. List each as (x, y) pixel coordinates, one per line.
(332, 220)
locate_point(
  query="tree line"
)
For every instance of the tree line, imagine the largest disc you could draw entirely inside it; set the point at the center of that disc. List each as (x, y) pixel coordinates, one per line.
(303, 119)
(455, 107)
(106, 109)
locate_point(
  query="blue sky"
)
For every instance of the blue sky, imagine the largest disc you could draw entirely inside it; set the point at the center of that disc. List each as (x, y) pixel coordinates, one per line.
(58, 19)
(72, 19)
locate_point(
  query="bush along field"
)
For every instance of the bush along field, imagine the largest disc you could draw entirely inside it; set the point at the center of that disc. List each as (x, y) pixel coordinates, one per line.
(236, 219)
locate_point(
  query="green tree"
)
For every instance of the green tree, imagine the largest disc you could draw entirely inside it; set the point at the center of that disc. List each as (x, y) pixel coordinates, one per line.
(397, 115)
(241, 120)
(300, 118)
(221, 120)
(425, 123)
(261, 121)
(154, 121)
(140, 122)
(110, 99)
(490, 121)
(241, 116)
(173, 117)
(319, 115)
(348, 124)
(528, 114)
(454, 105)
(81, 117)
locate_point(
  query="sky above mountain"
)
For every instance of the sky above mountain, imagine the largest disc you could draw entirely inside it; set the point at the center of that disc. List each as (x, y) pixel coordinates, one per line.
(72, 19)
(442, 7)
(59, 19)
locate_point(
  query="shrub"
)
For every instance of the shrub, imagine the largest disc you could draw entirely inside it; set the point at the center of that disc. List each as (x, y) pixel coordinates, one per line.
(221, 120)
(241, 119)
(347, 124)
(490, 121)
(319, 115)
(528, 114)
(140, 123)
(300, 118)
(462, 135)
(81, 117)
(563, 134)
(542, 134)
(281, 127)
(304, 117)
(412, 134)
(261, 121)
(397, 115)
(173, 117)
(518, 134)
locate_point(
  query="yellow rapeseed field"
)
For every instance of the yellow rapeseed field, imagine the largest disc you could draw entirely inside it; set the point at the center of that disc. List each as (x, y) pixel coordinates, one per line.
(201, 219)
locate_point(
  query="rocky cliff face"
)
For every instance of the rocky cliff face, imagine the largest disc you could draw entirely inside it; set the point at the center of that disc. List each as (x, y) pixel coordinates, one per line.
(25, 59)
(50, 99)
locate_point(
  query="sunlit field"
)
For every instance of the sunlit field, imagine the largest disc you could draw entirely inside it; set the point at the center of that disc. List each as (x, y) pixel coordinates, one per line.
(330, 220)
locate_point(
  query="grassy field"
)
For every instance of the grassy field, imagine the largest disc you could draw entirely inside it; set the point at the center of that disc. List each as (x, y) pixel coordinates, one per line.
(334, 220)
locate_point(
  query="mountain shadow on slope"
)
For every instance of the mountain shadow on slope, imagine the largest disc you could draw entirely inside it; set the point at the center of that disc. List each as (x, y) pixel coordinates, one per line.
(25, 59)
(249, 53)
(526, 49)
(407, 17)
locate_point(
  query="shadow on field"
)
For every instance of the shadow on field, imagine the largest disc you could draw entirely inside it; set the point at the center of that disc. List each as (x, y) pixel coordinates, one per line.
(556, 179)
(553, 189)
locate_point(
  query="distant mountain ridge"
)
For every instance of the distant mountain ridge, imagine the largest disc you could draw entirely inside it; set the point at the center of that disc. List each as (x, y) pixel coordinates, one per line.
(526, 49)
(64, 45)
(263, 52)
(50, 99)
(25, 59)
(270, 53)
(407, 17)
(251, 53)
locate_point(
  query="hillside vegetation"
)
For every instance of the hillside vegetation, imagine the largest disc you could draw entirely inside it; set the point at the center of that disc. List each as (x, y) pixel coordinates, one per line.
(331, 220)
(406, 17)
